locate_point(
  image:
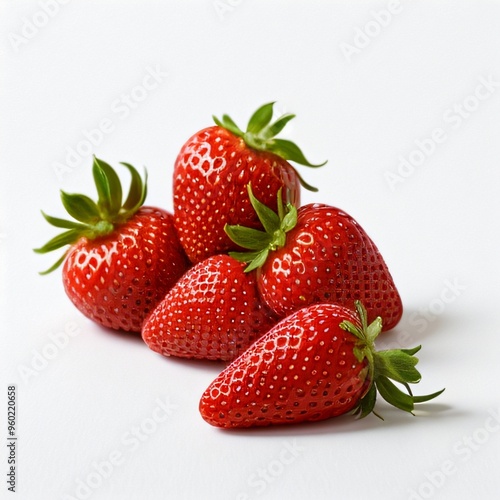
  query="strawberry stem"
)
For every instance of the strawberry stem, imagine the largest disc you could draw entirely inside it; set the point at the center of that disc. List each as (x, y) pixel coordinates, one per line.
(384, 367)
(261, 135)
(261, 243)
(96, 219)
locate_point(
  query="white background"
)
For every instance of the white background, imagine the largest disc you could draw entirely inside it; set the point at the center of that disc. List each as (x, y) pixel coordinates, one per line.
(90, 418)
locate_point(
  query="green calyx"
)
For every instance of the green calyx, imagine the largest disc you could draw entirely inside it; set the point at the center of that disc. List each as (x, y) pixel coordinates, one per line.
(95, 219)
(384, 367)
(261, 243)
(261, 135)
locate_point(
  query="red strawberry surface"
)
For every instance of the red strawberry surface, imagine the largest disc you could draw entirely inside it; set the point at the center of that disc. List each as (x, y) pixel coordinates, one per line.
(213, 312)
(117, 280)
(317, 363)
(122, 259)
(212, 171)
(318, 254)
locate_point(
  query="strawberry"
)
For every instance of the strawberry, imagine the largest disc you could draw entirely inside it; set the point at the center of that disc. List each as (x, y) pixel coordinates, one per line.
(122, 259)
(317, 363)
(211, 173)
(213, 312)
(316, 254)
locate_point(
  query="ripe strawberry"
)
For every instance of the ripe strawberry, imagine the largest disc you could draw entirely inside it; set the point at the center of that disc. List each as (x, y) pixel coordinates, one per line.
(213, 312)
(318, 363)
(316, 254)
(122, 259)
(213, 169)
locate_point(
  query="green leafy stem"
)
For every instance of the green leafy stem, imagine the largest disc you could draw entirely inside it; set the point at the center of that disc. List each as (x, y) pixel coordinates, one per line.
(261, 135)
(384, 368)
(95, 219)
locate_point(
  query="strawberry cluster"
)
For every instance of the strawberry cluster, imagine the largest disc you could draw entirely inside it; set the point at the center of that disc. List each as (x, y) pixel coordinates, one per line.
(292, 297)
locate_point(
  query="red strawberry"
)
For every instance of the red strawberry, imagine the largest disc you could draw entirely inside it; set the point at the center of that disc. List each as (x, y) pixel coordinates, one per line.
(318, 363)
(122, 259)
(318, 254)
(213, 169)
(213, 312)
